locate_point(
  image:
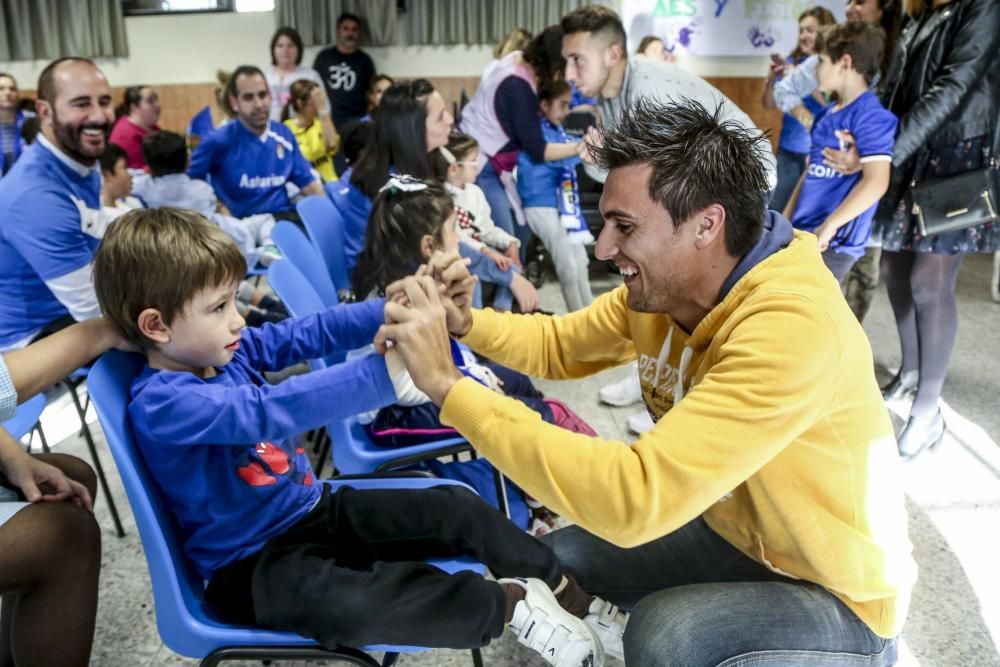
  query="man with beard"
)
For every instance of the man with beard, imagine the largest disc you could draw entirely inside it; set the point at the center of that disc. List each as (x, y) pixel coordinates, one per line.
(48, 226)
(597, 63)
(346, 72)
(250, 160)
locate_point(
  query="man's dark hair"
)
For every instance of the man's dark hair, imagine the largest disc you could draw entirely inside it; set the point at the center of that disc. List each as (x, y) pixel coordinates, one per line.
(46, 80)
(292, 34)
(597, 20)
(698, 159)
(242, 70)
(347, 16)
(110, 157)
(862, 41)
(165, 153)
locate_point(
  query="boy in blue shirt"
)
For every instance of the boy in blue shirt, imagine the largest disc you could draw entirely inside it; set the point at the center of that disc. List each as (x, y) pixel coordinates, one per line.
(839, 208)
(251, 158)
(278, 548)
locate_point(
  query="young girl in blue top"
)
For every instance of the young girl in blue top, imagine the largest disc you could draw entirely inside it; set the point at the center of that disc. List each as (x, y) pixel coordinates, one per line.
(550, 199)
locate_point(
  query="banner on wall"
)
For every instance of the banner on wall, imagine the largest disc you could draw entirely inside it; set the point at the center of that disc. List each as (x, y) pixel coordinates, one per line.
(720, 27)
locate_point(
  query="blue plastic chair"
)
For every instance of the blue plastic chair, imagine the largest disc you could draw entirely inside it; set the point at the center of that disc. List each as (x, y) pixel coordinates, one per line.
(27, 420)
(297, 249)
(185, 623)
(325, 225)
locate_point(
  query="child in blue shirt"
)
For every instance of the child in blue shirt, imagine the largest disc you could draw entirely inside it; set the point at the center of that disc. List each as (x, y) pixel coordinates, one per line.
(839, 208)
(280, 549)
(550, 200)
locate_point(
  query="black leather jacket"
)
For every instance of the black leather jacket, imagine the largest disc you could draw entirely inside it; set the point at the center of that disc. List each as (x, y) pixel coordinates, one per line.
(944, 79)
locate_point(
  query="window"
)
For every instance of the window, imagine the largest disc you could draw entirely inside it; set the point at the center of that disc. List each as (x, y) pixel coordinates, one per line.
(151, 7)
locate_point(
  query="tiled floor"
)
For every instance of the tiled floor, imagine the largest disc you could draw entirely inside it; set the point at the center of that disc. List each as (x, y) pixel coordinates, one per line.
(954, 502)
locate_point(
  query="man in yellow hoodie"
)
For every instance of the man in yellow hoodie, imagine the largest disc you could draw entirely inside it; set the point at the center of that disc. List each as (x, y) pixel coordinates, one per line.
(761, 520)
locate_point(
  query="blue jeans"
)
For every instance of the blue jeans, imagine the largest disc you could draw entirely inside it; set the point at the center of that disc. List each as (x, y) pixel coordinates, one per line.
(487, 271)
(697, 600)
(503, 216)
(790, 168)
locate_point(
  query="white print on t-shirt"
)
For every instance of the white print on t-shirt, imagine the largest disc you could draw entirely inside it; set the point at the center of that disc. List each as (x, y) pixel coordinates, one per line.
(255, 182)
(822, 171)
(342, 77)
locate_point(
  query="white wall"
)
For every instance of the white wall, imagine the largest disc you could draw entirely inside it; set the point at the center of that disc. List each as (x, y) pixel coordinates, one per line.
(188, 49)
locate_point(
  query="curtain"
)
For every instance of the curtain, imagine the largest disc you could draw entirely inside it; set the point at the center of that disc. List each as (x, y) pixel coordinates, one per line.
(48, 29)
(481, 22)
(316, 20)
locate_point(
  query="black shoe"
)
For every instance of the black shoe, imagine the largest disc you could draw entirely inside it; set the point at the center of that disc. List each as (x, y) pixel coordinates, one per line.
(920, 434)
(903, 386)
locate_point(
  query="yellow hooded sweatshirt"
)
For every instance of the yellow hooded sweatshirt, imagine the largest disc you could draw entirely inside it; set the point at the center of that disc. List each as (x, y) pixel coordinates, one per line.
(769, 423)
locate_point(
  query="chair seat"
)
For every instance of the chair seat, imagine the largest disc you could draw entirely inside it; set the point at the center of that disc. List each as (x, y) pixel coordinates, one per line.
(26, 417)
(355, 453)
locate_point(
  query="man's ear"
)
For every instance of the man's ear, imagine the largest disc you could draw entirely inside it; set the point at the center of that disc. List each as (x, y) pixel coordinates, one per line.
(153, 327)
(233, 104)
(614, 54)
(44, 111)
(711, 223)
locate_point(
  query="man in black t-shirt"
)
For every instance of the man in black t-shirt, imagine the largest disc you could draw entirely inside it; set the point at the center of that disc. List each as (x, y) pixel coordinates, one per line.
(346, 72)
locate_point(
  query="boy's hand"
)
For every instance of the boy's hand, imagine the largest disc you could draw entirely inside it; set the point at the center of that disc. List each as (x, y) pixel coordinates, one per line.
(455, 285)
(846, 161)
(825, 234)
(503, 262)
(513, 251)
(420, 334)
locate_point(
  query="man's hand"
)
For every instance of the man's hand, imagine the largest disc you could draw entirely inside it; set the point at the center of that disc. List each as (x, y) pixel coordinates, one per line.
(41, 482)
(420, 334)
(592, 141)
(846, 161)
(457, 287)
(525, 293)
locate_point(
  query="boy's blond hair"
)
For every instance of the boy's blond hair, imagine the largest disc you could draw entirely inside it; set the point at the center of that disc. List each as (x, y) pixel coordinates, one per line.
(160, 258)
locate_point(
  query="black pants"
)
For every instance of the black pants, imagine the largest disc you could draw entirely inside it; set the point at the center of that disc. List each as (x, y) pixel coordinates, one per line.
(351, 571)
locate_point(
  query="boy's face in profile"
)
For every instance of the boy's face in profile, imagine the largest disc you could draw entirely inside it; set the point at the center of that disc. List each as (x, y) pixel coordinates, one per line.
(556, 109)
(830, 75)
(205, 335)
(118, 184)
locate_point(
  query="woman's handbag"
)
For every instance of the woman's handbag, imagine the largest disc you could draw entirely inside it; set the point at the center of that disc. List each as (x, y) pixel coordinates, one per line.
(962, 201)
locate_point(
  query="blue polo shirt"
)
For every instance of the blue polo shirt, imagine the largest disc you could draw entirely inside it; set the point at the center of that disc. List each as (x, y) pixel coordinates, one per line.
(249, 172)
(42, 236)
(874, 130)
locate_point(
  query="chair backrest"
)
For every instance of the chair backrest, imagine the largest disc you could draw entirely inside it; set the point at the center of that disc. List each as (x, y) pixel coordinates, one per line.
(326, 229)
(178, 591)
(297, 249)
(300, 298)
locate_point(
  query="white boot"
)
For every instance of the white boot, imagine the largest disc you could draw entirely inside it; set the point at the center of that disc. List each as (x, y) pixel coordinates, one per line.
(608, 622)
(624, 392)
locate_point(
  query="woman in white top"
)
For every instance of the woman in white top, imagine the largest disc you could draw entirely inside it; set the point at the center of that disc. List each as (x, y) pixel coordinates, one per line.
(286, 68)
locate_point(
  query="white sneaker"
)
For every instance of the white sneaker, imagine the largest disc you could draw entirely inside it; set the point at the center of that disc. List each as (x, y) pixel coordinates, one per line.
(557, 635)
(640, 422)
(608, 621)
(995, 285)
(625, 392)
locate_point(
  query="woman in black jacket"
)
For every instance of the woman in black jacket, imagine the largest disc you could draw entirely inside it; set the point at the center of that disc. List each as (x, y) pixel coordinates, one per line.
(944, 84)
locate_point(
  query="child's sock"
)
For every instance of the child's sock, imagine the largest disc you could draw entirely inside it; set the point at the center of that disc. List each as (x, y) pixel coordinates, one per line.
(514, 594)
(572, 598)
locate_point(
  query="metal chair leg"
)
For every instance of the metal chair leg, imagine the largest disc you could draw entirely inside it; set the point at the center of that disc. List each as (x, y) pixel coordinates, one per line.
(477, 658)
(308, 653)
(41, 436)
(98, 468)
(389, 659)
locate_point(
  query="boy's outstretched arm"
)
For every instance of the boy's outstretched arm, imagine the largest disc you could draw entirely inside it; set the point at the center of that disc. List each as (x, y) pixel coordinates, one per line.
(865, 193)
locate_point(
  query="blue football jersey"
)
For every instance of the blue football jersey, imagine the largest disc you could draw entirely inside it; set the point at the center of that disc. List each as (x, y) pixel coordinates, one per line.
(874, 130)
(249, 172)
